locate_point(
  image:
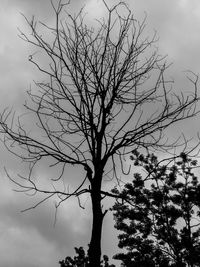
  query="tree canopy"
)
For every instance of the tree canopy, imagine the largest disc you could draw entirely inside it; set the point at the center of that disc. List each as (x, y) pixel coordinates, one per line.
(160, 221)
(82, 260)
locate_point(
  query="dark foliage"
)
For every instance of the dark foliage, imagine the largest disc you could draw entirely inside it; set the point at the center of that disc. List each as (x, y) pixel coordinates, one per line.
(160, 221)
(82, 260)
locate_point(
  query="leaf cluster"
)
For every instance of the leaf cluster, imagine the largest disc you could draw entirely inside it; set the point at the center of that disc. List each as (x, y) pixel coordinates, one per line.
(159, 216)
(82, 260)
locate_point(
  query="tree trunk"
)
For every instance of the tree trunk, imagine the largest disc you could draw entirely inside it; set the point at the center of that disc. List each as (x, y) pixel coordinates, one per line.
(95, 243)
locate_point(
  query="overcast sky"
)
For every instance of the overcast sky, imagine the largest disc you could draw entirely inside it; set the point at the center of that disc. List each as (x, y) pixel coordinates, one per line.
(30, 239)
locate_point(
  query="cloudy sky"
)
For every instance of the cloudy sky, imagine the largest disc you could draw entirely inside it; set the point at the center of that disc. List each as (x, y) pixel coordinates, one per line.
(30, 238)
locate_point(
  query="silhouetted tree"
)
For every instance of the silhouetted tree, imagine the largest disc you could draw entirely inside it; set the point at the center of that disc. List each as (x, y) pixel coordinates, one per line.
(82, 260)
(160, 221)
(104, 93)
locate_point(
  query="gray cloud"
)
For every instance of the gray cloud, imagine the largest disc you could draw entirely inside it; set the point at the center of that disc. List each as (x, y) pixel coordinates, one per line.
(31, 236)
(33, 233)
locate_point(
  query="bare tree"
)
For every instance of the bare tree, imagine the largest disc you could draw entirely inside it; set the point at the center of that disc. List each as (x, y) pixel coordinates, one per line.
(105, 94)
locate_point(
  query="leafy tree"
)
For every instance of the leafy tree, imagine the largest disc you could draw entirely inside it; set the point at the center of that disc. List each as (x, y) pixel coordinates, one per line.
(104, 93)
(82, 260)
(160, 221)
